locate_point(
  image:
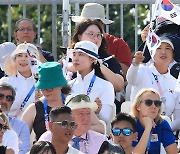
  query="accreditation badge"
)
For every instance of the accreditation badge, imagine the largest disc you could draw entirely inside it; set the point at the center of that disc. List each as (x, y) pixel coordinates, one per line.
(154, 138)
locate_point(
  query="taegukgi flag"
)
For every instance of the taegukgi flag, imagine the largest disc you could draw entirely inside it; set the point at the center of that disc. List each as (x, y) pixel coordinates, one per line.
(168, 10)
(153, 41)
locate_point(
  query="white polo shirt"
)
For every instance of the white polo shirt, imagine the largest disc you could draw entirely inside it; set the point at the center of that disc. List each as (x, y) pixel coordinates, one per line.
(22, 87)
(101, 88)
(142, 77)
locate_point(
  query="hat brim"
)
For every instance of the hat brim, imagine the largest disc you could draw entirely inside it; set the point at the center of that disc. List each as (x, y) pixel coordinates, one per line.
(174, 38)
(78, 50)
(51, 84)
(80, 19)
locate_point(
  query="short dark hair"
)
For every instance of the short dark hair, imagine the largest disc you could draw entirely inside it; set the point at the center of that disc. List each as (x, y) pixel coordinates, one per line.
(24, 19)
(55, 112)
(124, 117)
(41, 147)
(7, 86)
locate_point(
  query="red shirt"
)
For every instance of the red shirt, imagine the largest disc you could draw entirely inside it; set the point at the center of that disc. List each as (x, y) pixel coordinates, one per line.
(119, 48)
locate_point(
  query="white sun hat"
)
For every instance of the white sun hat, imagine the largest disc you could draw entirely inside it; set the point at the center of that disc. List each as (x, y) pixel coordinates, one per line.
(86, 47)
(6, 49)
(92, 11)
(80, 101)
(10, 67)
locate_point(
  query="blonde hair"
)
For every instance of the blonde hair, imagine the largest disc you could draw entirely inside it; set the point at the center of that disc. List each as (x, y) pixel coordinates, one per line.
(138, 100)
(5, 119)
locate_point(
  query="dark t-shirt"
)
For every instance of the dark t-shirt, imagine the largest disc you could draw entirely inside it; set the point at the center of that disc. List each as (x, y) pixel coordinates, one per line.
(39, 122)
(3, 149)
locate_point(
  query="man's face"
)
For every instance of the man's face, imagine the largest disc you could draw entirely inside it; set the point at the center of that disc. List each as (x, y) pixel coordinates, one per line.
(123, 140)
(59, 133)
(83, 118)
(25, 32)
(6, 100)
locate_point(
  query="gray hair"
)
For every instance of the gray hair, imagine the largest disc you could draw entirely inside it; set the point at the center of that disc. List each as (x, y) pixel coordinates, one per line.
(7, 86)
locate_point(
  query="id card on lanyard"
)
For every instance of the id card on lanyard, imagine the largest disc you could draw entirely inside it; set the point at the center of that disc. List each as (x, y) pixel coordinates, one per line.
(25, 101)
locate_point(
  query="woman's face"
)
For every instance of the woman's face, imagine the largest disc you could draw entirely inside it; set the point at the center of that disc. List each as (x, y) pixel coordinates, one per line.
(93, 34)
(148, 111)
(164, 54)
(82, 62)
(22, 63)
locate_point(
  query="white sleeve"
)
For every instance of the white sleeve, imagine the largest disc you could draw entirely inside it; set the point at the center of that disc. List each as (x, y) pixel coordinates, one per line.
(10, 139)
(106, 113)
(176, 121)
(132, 75)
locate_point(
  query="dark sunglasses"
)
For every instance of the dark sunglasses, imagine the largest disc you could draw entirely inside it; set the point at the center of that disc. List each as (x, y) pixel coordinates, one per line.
(124, 131)
(48, 90)
(3, 127)
(149, 102)
(79, 98)
(65, 124)
(9, 98)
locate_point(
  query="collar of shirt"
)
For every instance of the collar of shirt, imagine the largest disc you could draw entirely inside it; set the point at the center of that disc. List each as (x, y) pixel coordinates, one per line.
(83, 136)
(154, 70)
(88, 77)
(22, 77)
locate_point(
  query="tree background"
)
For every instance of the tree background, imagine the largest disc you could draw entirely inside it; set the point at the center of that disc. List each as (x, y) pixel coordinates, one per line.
(46, 22)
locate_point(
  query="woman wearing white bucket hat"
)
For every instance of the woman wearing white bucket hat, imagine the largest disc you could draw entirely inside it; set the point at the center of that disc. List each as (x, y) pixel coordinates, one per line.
(20, 66)
(85, 56)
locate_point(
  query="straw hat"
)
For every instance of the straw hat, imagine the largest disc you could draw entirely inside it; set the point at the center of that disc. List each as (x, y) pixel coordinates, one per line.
(10, 67)
(86, 47)
(92, 11)
(6, 49)
(50, 76)
(80, 104)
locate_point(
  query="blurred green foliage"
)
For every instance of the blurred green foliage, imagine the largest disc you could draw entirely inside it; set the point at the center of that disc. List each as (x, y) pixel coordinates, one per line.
(46, 22)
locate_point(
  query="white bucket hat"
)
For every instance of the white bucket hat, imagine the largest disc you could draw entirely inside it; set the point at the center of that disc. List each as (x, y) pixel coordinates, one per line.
(86, 47)
(10, 67)
(80, 101)
(6, 49)
(92, 11)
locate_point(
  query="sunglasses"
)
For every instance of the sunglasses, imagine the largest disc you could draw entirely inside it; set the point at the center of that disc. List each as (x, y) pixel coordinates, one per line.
(9, 98)
(124, 131)
(64, 124)
(149, 102)
(3, 127)
(48, 90)
(79, 98)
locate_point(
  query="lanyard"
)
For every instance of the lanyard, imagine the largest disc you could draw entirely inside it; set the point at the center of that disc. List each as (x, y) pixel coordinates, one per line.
(90, 85)
(46, 114)
(149, 143)
(25, 101)
(158, 85)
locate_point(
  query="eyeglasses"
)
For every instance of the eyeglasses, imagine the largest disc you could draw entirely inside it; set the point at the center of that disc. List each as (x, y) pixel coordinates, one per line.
(149, 102)
(64, 124)
(3, 127)
(22, 29)
(48, 90)
(79, 98)
(9, 98)
(92, 35)
(124, 131)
